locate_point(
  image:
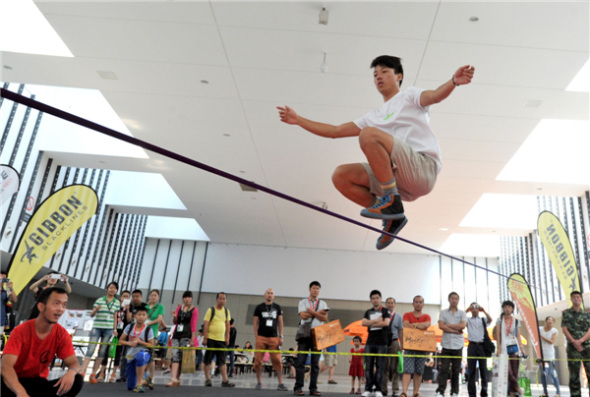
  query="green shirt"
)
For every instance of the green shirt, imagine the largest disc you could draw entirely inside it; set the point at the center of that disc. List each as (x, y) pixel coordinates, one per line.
(153, 314)
(577, 323)
(105, 316)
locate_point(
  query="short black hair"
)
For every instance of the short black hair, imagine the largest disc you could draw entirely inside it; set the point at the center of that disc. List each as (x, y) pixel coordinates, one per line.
(43, 298)
(357, 338)
(315, 283)
(453, 293)
(141, 308)
(157, 291)
(137, 291)
(129, 292)
(116, 284)
(508, 303)
(392, 298)
(575, 293)
(375, 292)
(220, 293)
(187, 294)
(391, 62)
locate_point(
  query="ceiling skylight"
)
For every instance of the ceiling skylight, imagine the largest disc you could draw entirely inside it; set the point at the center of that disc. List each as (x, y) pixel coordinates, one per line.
(503, 211)
(581, 82)
(555, 152)
(480, 245)
(25, 29)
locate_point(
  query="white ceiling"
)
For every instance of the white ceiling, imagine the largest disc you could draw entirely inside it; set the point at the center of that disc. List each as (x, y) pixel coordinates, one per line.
(257, 55)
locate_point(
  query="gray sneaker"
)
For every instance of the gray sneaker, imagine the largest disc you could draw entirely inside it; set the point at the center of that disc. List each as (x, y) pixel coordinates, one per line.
(258, 386)
(282, 387)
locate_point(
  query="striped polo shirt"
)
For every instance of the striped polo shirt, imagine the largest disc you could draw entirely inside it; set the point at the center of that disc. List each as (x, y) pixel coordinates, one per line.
(105, 316)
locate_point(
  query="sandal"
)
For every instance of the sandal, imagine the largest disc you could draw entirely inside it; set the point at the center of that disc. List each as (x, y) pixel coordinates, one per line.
(358, 391)
(315, 393)
(351, 391)
(417, 395)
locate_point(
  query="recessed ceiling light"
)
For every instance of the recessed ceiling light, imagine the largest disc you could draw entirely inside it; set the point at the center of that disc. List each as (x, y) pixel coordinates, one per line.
(7, 67)
(242, 172)
(227, 135)
(474, 19)
(204, 81)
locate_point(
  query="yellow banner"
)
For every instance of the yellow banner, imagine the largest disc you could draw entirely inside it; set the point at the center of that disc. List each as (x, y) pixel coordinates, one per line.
(559, 250)
(524, 302)
(54, 221)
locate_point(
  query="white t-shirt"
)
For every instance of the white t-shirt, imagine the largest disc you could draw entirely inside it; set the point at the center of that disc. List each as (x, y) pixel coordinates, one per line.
(404, 118)
(508, 330)
(548, 348)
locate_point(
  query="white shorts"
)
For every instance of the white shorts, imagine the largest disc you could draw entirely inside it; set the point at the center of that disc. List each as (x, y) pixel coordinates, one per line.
(414, 172)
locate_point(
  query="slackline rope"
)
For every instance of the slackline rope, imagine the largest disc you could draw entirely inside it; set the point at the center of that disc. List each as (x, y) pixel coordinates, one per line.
(23, 100)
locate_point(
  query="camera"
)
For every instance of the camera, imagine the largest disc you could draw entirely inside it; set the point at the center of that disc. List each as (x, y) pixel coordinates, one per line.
(5, 280)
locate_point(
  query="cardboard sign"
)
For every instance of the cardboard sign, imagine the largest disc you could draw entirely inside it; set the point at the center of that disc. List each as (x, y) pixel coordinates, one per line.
(327, 335)
(417, 339)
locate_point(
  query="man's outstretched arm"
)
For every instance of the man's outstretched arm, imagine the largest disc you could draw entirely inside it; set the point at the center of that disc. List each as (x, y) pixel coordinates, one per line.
(289, 116)
(462, 76)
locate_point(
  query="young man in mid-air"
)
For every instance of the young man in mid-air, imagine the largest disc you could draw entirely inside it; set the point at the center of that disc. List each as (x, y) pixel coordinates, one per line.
(402, 151)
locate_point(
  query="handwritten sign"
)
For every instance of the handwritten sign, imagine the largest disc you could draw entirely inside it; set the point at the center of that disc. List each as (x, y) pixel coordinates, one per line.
(327, 335)
(417, 339)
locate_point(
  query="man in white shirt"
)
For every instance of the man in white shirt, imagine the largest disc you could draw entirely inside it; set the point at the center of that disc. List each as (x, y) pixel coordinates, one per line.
(476, 329)
(451, 321)
(402, 151)
(311, 309)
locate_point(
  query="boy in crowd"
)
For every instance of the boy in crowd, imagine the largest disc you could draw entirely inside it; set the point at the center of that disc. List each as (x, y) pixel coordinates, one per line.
(138, 337)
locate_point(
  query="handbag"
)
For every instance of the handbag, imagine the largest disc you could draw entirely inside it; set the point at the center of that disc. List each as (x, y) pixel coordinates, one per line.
(524, 382)
(188, 361)
(304, 331)
(113, 347)
(488, 346)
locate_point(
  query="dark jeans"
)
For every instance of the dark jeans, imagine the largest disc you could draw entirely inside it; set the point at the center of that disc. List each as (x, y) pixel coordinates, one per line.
(231, 356)
(444, 370)
(305, 345)
(43, 387)
(476, 350)
(374, 379)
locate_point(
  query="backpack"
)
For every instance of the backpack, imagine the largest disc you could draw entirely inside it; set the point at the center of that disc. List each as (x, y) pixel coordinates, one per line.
(213, 313)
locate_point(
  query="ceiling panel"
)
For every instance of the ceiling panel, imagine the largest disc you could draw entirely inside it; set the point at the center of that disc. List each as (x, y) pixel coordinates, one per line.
(255, 56)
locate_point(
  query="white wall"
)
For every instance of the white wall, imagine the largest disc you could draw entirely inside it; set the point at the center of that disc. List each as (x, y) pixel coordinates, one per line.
(347, 275)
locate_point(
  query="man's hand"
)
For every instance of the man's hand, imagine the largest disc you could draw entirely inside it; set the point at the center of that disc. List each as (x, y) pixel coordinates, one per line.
(65, 383)
(9, 285)
(227, 340)
(463, 76)
(287, 115)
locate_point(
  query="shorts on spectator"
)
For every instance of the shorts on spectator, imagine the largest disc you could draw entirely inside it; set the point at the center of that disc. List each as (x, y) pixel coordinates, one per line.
(414, 365)
(219, 354)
